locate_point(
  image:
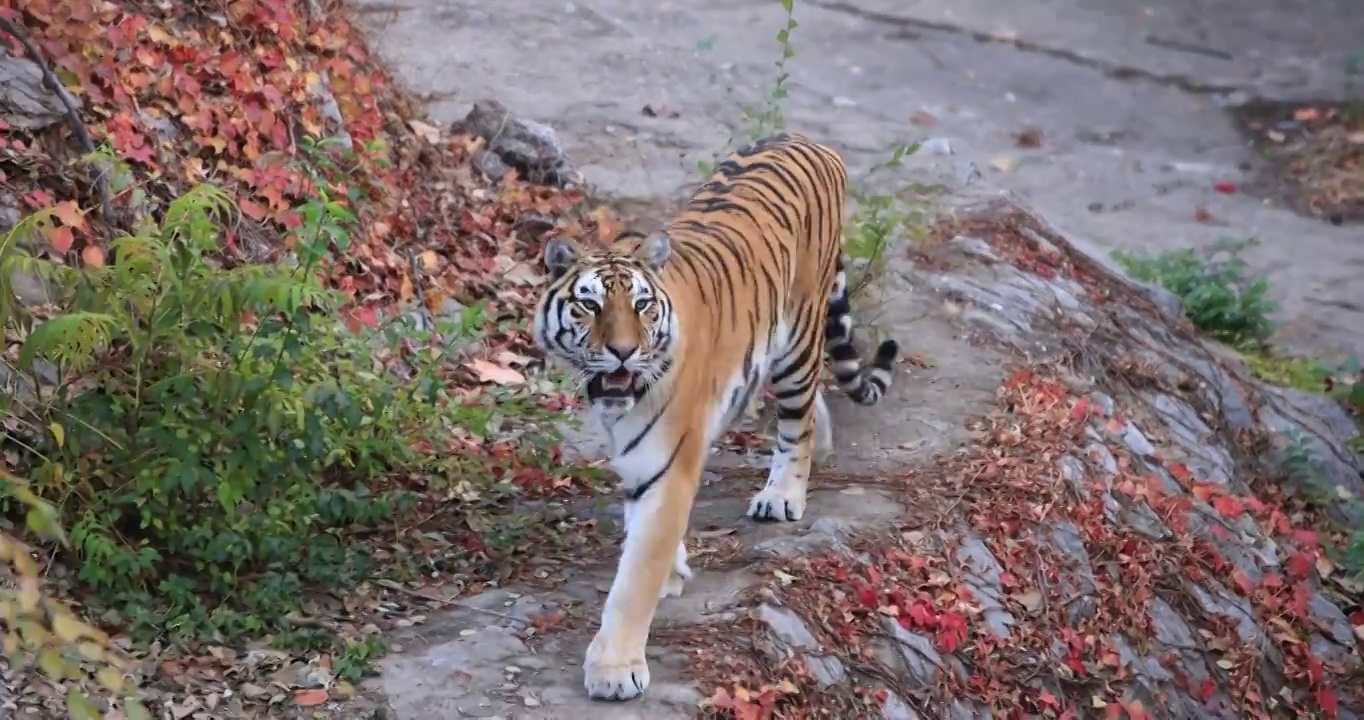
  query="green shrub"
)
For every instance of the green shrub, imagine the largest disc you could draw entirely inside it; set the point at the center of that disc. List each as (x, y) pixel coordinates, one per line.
(212, 436)
(1218, 297)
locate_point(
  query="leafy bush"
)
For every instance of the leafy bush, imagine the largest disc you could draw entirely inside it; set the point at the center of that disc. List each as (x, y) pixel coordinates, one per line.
(209, 434)
(1218, 297)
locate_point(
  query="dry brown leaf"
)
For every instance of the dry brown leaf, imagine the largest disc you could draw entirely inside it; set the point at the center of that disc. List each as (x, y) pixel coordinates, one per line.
(494, 373)
(309, 698)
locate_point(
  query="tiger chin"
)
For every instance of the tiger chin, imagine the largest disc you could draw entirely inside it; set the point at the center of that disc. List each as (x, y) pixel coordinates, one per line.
(673, 335)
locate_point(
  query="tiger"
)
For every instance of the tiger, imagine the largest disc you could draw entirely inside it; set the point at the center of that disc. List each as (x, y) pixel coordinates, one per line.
(670, 334)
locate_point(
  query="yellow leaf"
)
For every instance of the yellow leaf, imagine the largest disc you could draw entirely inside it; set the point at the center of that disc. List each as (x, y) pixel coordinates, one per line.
(134, 710)
(67, 627)
(110, 678)
(79, 707)
(52, 664)
(160, 36)
(58, 434)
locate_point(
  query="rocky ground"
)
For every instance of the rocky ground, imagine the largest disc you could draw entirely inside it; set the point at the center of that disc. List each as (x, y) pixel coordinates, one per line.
(1071, 503)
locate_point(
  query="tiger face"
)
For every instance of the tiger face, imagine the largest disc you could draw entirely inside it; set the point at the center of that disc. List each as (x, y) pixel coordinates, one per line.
(607, 318)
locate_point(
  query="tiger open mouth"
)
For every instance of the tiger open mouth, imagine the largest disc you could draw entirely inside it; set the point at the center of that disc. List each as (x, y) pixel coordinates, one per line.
(620, 383)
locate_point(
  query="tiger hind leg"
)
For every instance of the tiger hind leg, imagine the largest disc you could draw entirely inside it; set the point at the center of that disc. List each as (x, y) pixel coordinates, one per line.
(801, 413)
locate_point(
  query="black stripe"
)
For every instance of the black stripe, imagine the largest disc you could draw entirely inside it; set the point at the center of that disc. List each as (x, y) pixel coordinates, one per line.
(652, 421)
(638, 491)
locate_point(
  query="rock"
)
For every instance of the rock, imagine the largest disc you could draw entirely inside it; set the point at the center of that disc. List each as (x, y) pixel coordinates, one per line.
(24, 102)
(787, 627)
(532, 148)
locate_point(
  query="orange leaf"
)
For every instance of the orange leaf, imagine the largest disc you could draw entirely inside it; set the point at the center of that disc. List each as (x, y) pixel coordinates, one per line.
(69, 213)
(93, 256)
(252, 209)
(61, 238)
(309, 698)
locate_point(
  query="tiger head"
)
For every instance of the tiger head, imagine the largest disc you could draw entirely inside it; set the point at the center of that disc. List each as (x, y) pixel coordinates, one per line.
(606, 316)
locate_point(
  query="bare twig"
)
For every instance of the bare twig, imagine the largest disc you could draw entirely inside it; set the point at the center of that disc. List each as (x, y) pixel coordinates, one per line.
(73, 115)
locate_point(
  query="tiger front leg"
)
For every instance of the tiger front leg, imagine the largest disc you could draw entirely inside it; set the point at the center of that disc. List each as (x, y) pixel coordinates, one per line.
(615, 667)
(681, 572)
(798, 435)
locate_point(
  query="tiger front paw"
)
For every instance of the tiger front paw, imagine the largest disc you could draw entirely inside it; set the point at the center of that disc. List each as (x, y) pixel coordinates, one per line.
(774, 504)
(615, 670)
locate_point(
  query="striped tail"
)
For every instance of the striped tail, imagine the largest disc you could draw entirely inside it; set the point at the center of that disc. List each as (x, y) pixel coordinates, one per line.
(864, 384)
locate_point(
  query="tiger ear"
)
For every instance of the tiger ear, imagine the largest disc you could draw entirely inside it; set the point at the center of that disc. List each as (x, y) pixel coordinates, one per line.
(655, 249)
(561, 254)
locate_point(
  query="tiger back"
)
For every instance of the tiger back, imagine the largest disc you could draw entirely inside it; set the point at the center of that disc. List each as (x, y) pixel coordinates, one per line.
(671, 335)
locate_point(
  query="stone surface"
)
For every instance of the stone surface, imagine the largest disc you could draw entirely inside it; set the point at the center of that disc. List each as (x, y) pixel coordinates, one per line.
(24, 102)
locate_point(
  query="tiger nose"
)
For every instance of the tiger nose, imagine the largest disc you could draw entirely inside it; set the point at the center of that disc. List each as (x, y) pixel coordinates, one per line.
(622, 352)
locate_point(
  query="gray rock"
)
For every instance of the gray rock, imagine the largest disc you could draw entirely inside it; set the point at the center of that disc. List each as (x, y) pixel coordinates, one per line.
(24, 103)
(787, 627)
(532, 148)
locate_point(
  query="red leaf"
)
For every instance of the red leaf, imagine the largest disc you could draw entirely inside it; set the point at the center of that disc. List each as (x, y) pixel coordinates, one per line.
(1326, 697)
(1300, 565)
(1307, 538)
(1242, 581)
(252, 209)
(1227, 506)
(61, 238)
(1048, 699)
(1180, 472)
(866, 595)
(1225, 187)
(1080, 411)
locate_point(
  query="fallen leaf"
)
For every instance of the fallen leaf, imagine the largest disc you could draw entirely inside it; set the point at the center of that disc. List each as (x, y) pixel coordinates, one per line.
(1203, 215)
(1306, 114)
(1356, 138)
(309, 698)
(1029, 139)
(92, 256)
(1003, 164)
(69, 213)
(922, 119)
(494, 373)
(507, 357)
(784, 577)
(429, 133)
(61, 238)
(1224, 187)
(1030, 600)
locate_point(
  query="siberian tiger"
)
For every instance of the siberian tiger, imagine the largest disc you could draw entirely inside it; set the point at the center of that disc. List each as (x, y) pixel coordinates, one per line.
(671, 334)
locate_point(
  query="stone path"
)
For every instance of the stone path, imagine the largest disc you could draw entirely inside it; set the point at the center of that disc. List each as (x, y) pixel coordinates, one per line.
(1127, 102)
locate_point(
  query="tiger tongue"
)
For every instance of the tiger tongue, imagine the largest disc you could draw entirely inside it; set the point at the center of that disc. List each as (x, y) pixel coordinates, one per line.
(618, 379)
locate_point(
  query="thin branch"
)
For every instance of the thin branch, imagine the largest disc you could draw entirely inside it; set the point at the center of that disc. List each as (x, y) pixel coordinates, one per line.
(73, 115)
